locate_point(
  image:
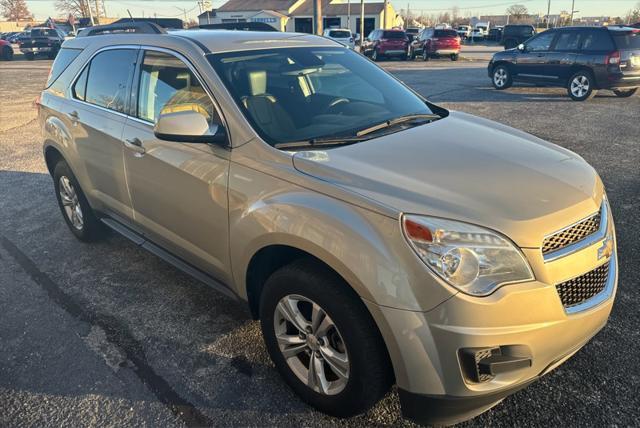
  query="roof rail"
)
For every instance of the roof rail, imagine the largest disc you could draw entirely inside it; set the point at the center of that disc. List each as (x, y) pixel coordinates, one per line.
(124, 27)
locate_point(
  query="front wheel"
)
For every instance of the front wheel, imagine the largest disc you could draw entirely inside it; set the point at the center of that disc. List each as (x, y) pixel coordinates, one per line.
(625, 94)
(323, 340)
(502, 78)
(580, 86)
(411, 54)
(425, 55)
(375, 55)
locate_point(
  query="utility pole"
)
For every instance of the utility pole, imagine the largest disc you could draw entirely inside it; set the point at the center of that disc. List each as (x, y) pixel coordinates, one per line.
(384, 14)
(349, 15)
(90, 14)
(317, 17)
(548, 12)
(97, 11)
(361, 24)
(573, 4)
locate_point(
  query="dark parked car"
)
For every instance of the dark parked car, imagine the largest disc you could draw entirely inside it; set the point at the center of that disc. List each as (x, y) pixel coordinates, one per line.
(42, 41)
(412, 32)
(513, 35)
(495, 34)
(386, 43)
(19, 37)
(435, 42)
(6, 52)
(581, 59)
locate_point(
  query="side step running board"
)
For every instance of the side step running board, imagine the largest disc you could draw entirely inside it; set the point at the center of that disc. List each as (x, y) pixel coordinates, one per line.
(177, 262)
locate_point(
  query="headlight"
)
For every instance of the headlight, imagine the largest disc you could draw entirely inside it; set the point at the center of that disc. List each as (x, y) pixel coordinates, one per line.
(474, 260)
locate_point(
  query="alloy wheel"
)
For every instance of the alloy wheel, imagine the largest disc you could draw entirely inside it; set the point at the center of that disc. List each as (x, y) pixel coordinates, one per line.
(71, 203)
(500, 77)
(311, 344)
(580, 86)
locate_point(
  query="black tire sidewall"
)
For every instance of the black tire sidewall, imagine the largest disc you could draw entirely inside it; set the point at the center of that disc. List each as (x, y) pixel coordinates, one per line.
(326, 289)
(625, 93)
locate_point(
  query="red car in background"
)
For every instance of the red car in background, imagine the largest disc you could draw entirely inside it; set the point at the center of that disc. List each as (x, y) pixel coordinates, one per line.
(386, 43)
(6, 52)
(433, 42)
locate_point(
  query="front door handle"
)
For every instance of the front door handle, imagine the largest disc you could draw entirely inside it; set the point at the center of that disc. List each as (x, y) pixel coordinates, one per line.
(135, 145)
(73, 116)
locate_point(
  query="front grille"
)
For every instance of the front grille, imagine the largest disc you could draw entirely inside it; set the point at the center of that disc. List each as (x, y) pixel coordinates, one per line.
(571, 235)
(580, 289)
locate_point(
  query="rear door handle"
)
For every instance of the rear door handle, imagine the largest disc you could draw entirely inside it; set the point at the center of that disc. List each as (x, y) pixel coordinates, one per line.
(135, 145)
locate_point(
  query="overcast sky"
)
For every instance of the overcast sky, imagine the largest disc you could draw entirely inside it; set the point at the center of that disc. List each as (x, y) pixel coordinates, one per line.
(173, 8)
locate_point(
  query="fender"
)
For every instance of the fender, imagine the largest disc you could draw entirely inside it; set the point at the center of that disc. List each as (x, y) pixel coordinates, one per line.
(366, 248)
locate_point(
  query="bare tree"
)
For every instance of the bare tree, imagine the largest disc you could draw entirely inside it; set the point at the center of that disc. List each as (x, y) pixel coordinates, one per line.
(15, 10)
(75, 7)
(633, 15)
(517, 11)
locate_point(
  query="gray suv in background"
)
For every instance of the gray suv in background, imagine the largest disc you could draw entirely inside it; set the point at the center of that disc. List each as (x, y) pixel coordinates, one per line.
(379, 238)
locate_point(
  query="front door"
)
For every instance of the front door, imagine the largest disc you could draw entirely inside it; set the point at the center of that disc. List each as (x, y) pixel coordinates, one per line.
(178, 190)
(96, 113)
(531, 63)
(563, 54)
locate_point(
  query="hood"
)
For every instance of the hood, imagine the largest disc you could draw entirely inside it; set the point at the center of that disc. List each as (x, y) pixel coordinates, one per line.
(468, 169)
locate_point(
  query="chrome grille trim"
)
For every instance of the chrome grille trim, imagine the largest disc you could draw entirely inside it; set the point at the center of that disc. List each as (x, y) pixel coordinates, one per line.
(600, 297)
(582, 243)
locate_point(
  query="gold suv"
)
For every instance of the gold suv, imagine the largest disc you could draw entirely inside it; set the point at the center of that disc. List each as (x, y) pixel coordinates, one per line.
(379, 238)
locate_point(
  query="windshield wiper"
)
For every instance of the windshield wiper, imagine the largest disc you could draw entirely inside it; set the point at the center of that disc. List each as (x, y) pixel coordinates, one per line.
(396, 121)
(319, 142)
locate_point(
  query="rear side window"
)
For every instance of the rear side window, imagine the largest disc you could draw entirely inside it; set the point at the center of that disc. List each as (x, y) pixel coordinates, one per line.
(626, 39)
(393, 35)
(64, 58)
(108, 79)
(339, 34)
(568, 41)
(597, 41)
(167, 85)
(445, 33)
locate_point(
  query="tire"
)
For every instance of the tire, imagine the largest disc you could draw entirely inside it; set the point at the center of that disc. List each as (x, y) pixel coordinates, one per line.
(501, 77)
(425, 55)
(580, 86)
(455, 57)
(73, 205)
(375, 56)
(368, 373)
(7, 53)
(625, 93)
(30, 56)
(411, 55)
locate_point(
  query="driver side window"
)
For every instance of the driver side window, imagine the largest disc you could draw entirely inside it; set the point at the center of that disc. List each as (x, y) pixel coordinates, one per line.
(541, 43)
(167, 85)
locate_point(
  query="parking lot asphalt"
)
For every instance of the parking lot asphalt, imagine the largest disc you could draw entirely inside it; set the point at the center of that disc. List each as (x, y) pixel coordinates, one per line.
(107, 334)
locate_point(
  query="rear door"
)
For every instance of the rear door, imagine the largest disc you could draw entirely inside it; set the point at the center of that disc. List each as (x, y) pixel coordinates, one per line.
(178, 190)
(531, 64)
(563, 54)
(628, 44)
(96, 113)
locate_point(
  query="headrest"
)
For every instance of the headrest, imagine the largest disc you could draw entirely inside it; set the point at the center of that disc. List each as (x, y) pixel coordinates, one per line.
(257, 82)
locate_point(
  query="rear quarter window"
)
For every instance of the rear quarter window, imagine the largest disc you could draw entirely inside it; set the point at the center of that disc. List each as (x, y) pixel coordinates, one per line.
(64, 58)
(597, 41)
(626, 39)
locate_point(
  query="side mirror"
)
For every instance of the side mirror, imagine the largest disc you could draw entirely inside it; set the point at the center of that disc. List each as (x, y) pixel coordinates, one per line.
(522, 47)
(188, 127)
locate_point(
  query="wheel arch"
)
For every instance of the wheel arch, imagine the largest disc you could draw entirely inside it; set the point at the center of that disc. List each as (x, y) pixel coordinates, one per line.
(577, 68)
(52, 155)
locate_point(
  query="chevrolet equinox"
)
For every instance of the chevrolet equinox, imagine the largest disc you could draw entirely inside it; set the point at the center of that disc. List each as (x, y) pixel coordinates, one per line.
(379, 239)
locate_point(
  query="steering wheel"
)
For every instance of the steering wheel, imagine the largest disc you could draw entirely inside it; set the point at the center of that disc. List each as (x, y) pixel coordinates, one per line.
(336, 102)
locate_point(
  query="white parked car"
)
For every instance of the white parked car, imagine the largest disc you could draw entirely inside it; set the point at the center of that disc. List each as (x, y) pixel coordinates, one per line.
(340, 35)
(464, 31)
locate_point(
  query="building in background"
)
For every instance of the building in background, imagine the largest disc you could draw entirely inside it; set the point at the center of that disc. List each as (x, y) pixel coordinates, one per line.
(297, 15)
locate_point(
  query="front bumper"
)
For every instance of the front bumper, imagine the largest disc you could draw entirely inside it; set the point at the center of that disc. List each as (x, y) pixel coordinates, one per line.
(525, 321)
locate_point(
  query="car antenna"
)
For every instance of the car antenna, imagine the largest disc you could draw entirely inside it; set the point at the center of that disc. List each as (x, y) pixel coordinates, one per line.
(132, 20)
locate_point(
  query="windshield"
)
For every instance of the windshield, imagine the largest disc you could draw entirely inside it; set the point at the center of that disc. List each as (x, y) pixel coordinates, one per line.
(339, 34)
(627, 39)
(296, 94)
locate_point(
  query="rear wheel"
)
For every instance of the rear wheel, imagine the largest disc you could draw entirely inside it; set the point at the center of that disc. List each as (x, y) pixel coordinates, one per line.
(425, 55)
(411, 55)
(580, 86)
(502, 78)
(76, 211)
(625, 93)
(322, 339)
(375, 55)
(7, 53)
(454, 57)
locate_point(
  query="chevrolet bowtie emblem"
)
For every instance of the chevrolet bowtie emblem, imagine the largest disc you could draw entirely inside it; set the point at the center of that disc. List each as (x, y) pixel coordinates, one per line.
(606, 250)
